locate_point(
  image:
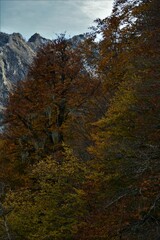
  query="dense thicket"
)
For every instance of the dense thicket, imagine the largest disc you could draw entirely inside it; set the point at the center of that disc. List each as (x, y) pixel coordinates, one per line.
(81, 143)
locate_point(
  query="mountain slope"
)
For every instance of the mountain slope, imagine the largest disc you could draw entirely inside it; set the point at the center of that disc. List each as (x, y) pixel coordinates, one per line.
(16, 54)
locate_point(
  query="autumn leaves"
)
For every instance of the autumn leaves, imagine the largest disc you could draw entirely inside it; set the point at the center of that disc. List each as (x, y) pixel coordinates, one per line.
(80, 151)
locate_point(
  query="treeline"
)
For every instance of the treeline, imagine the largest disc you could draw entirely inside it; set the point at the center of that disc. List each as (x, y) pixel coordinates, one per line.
(80, 147)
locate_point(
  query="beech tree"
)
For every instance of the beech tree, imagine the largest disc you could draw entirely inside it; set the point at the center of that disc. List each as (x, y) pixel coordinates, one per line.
(111, 192)
(57, 89)
(126, 147)
(55, 205)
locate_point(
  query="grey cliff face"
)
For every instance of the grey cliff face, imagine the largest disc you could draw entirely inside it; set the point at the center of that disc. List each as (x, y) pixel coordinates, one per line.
(16, 54)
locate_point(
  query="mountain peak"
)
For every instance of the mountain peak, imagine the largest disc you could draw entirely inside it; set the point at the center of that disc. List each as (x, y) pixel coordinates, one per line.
(16, 35)
(4, 38)
(35, 37)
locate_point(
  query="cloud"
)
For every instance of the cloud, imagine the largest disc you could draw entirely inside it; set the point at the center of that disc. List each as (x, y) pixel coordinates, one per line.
(48, 17)
(97, 8)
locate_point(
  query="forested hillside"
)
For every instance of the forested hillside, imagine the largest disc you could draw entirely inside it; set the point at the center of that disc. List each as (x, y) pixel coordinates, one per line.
(80, 146)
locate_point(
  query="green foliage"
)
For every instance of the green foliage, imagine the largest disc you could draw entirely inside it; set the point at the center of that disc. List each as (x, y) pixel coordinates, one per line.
(111, 192)
(54, 207)
(127, 137)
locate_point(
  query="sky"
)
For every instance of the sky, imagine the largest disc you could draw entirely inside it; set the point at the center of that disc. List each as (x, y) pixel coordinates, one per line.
(51, 17)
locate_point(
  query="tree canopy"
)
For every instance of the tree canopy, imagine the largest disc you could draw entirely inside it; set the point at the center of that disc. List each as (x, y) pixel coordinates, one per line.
(81, 141)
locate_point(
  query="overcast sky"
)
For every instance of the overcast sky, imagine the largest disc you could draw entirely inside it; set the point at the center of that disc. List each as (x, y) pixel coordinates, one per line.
(50, 17)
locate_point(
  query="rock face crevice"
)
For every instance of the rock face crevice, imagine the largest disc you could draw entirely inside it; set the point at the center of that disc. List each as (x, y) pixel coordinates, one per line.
(16, 54)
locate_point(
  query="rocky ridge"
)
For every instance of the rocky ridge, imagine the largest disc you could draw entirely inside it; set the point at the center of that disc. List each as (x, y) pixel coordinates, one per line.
(16, 54)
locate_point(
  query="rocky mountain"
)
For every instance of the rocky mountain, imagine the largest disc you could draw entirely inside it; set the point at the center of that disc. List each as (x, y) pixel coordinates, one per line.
(16, 54)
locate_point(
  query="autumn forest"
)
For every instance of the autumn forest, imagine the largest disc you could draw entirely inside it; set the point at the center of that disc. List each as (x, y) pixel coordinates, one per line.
(80, 143)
